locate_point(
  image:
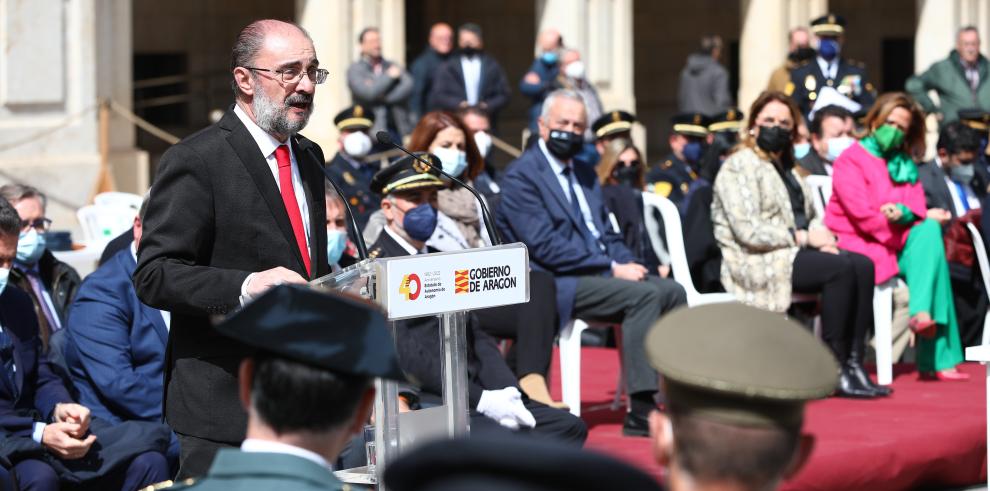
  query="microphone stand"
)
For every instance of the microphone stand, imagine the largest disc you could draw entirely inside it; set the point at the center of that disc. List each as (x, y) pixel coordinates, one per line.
(352, 223)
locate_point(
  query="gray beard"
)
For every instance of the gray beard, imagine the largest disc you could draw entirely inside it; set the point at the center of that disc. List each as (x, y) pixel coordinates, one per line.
(273, 117)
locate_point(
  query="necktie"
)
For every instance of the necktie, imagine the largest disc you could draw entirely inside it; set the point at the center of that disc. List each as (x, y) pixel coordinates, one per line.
(289, 199)
(574, 201)
(54, 323)
(961, 190)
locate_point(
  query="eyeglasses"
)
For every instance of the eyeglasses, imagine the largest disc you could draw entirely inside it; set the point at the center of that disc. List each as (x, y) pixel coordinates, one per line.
(39, 224)
(293, 75)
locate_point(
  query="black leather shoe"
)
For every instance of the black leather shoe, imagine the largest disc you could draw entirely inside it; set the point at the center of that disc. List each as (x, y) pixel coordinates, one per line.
(864, 379)
(635, 425)
(851, 388)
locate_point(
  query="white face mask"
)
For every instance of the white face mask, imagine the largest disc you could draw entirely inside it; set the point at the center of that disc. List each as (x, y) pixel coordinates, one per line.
(484, 142)
(454, 161)
(357, 144)
(575, 70)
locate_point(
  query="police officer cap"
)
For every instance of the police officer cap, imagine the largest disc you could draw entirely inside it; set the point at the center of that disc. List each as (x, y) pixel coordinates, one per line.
(977, 119)
(829, 25)
(611, 123)
(730, 121)
(740, 365)
(354, 118)
(408, 174)
(691, 124)
(325, 330)
(511, 462)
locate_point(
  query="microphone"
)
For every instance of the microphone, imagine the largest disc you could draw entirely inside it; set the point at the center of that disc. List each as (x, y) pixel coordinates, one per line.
(386, 139)
(358, 238)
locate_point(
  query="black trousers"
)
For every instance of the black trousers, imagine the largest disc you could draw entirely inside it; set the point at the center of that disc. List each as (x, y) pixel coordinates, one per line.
(845, 282)
(196, 455)
(532, 326)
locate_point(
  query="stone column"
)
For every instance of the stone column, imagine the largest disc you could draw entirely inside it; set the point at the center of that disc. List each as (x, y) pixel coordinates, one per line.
(763, 44)
(335, 26)
(48, 88)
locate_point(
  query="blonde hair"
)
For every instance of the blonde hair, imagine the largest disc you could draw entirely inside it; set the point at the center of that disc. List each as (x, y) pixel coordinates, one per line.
(613, 149)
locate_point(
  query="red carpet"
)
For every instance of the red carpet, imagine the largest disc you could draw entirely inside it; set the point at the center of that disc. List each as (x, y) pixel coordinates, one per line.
(928, 434)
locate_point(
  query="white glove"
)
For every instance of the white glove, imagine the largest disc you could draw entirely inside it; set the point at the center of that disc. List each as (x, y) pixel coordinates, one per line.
(506, 407)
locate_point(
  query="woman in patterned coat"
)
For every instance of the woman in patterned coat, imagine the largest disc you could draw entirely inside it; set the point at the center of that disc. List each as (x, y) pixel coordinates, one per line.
(773, 244)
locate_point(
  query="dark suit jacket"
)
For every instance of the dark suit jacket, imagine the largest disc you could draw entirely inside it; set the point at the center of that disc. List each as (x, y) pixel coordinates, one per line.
(421, 352)
(448, 86)
(813, 164)
(808, 79)
(119, 243)
(533, 210)
(216, 216)
(116, 347)
(356, 185)
(937, 194)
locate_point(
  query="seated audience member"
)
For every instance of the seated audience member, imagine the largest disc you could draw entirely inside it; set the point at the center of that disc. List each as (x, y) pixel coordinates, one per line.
(50, 283)
(735, 403)
(409, 203)
(504, 464)
(773, 244)
(117, 244)
(878, 209)
(703, 255)
(831, 133)
(533, 324)
(620, 174)
(46, 435)
(115, 351)
(341, 253)
(541, 78)
(955, 183)
(556, 208)
(288, 444)
(612, 125)
(349, 171)
(672, 177)
(476, 121)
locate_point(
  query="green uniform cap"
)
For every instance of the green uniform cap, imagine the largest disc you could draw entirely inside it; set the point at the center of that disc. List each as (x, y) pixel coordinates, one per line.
(740, 365)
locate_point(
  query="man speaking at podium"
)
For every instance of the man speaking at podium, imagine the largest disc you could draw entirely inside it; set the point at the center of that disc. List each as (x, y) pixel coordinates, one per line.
(409, 203)
(237, 208)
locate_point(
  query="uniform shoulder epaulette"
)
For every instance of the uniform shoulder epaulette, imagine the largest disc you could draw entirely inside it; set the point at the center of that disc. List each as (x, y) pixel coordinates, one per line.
(666, 164)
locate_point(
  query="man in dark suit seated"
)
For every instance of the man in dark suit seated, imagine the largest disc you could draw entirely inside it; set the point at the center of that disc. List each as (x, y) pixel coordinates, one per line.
(115, 352)
(831, 133)
(554, 205)
(956, 185)
(47, 436)
(409, 204)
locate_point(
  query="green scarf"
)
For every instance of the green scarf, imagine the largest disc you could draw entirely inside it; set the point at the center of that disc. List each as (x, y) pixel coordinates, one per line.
(885, 143)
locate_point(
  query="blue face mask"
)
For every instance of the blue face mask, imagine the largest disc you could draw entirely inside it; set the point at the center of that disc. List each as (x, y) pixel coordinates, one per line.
(801, 149)
(692, 152)
(453, 160)
(550, 57)
(336, 243)
(420, 222)
(836, 146)
(828, 49)
(4, 274)
(30, 247)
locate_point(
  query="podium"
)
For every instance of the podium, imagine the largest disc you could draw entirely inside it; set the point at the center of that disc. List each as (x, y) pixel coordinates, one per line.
(447, 285)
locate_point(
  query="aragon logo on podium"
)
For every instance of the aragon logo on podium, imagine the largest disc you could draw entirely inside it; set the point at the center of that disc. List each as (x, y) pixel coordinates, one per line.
(461, 281)
(405, 287)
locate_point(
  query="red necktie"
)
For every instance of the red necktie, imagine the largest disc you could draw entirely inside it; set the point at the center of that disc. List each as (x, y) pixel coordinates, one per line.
(289, 199)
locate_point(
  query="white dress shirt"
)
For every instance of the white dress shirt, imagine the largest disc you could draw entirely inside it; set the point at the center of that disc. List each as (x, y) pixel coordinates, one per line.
(402, 242)
(829, 69)
(568, 181)
(254, 445)
(472, 78)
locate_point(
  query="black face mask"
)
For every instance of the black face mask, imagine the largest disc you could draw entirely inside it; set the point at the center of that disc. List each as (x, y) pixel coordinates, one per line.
(626, 175)
(801, 55)
(470, 52)
(773, 138)
(564, 144)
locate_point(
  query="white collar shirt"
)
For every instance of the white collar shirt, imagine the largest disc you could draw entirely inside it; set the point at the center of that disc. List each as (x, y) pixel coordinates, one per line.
(402, 242)
(472, 78)
(568, 182)
(254, 445)
(830, 69)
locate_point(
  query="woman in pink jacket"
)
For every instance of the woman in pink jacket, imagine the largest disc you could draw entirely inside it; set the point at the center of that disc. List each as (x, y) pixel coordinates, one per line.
(878, 209)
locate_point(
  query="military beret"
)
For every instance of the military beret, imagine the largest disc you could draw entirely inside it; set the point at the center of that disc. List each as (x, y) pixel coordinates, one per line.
(829, 25)
(977, 119)
(611, 123)
(495, 462)
(730, 120)
(408, 174)
(691, 124)
(325, 330)
(354, 118)
(740, 365)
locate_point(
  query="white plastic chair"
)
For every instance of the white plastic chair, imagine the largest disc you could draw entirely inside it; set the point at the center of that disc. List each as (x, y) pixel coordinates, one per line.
(984, 263)
(675, 247)
(569, 344)
(883, 294)
(116, 198)
(101, 223)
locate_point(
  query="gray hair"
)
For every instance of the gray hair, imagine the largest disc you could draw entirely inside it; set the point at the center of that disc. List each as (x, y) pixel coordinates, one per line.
(14, 193)
(968, 28)
(248, 44)
(559, 94)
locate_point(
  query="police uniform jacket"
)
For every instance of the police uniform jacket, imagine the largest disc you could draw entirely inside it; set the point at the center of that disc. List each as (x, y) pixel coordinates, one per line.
(355, 185)
(671, 178)
(850, 80)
